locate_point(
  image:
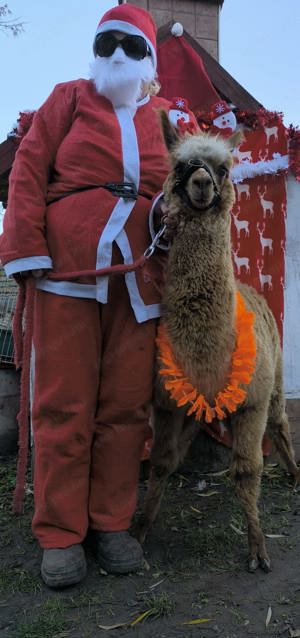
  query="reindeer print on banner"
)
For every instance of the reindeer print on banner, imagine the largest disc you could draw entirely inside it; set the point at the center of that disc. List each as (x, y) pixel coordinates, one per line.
(240, 224)
(265, 242)
(258, 239)
(240, 262)
(258, 219)
(271, 131)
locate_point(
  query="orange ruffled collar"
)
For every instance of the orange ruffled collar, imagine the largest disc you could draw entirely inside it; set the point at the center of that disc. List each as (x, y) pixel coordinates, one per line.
(242, 369)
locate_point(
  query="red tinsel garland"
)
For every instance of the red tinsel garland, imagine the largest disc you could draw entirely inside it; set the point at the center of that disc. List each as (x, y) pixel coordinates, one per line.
(250, 119)
(24, 122)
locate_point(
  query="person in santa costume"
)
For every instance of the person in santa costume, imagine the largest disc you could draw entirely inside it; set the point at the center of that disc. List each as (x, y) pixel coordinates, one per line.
(79, 198)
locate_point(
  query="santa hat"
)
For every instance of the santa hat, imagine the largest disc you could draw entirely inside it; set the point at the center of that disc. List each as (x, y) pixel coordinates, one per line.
(176, 55)
(132, 20)
(219, 108)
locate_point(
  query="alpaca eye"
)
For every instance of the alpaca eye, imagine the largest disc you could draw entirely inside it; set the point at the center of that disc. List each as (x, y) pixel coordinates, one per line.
(223, 171)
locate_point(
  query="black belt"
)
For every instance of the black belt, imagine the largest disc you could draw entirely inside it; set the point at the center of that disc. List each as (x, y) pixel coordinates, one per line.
(126, 190)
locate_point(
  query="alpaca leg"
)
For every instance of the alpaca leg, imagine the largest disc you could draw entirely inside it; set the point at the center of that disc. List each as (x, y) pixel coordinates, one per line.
(186, 437)
(279, 430)
(248, 426)
(155, 491)
(279, 433)
(164, 460)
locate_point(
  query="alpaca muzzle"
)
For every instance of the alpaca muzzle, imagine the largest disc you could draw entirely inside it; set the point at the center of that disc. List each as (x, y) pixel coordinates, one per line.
(179, 187)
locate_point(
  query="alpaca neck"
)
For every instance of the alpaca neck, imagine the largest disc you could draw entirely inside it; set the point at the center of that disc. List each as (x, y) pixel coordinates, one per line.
(199, 305)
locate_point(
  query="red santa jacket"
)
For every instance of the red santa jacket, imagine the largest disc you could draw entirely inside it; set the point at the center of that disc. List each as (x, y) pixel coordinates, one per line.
(59, 217)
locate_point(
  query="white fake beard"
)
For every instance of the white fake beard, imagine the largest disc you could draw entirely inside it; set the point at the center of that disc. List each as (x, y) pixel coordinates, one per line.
(120, 78)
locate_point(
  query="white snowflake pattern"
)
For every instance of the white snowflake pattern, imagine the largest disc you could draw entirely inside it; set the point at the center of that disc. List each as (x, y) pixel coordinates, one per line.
(220, 108)
(179, 103)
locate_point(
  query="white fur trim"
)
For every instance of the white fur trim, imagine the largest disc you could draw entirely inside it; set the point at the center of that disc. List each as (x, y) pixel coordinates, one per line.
(130, 29)
(246, 169)
(27, 263)
(123, 207)
(143, 101)
(141, 311)
(67, 288)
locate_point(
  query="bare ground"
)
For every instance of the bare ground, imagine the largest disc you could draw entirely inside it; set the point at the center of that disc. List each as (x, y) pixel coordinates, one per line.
(195, 583)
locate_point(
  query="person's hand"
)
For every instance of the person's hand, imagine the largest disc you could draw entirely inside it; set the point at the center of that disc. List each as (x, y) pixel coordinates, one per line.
(36, 273)
(162, 216)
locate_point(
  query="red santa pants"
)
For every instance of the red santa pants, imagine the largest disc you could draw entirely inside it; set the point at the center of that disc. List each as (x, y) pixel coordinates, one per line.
(92, 393)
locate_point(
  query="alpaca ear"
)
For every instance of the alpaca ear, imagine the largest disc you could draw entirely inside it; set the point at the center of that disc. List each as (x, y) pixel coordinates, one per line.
(170, 133)
(235, 139)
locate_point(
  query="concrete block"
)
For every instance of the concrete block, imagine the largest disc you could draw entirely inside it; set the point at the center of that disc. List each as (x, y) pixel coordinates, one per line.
(188, 22)
(206, 27)
(184, 6)
(206, 9)
(161, 17)
(165, 5)
(144, 4)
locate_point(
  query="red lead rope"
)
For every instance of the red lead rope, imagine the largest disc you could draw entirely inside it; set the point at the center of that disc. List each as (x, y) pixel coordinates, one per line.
(108, 270)
(22, 347)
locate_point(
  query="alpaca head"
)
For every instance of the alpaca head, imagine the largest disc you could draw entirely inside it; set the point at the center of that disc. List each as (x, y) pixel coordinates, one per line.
(200, 171)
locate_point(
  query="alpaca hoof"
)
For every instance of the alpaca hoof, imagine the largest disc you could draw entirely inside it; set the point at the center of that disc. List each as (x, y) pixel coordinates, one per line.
(296, 480)
(252, 565)
(265, 564)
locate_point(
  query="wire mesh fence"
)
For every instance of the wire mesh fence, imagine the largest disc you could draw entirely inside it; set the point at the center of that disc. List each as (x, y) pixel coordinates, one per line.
(8, 298)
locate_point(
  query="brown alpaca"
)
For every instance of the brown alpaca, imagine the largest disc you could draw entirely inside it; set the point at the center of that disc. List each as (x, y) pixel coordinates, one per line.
(199, 316)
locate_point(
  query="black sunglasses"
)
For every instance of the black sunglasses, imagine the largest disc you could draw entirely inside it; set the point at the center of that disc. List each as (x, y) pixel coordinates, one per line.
(134, 46)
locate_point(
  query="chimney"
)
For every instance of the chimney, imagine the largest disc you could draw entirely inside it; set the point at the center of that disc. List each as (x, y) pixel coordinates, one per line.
(199, 17)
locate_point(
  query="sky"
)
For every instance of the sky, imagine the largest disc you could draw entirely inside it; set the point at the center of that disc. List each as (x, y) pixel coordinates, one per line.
(258, 44)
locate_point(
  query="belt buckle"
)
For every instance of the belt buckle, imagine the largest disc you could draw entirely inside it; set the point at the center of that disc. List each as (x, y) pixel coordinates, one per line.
(127, 190)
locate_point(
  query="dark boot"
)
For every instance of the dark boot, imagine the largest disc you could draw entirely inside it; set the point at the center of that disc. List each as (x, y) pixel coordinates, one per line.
(118, 552)
(63, 567)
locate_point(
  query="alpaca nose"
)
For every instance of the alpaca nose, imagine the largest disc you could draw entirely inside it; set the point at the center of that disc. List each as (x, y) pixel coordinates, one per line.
(202, 182)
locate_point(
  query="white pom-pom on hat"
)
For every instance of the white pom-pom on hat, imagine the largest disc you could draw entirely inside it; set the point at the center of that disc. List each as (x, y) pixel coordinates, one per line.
(177, 29)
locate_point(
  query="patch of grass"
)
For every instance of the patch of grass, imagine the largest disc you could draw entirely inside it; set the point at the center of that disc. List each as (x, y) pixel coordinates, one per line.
(277, 508)
(238, 520)
(214, 541)
(240, 617)
(47, 624)
(53, 606)
(275, 526)
(287, 543)
(7, 485)
(7, 476)
(182, 570)
(202, 597)
(6, 539)
(159, 605)
(17, 580)
(87, 598)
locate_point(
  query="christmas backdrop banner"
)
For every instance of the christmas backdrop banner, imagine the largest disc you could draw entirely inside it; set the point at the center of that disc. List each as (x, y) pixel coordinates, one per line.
(258, 215)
